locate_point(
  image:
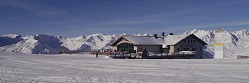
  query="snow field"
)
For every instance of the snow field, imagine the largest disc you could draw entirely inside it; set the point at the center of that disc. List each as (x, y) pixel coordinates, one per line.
(85, 68)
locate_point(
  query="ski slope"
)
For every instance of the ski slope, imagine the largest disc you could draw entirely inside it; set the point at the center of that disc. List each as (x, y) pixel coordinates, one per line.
(85, 68)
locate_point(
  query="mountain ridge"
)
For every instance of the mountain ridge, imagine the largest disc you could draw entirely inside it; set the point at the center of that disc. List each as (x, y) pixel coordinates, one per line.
(235, 42)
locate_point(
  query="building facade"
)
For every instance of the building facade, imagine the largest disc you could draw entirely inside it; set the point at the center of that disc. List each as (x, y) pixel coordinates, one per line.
(135, 44)
(187, 44)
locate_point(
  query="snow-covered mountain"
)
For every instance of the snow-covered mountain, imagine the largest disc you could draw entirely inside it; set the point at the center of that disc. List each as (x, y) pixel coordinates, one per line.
(236, 42)
(45, 44)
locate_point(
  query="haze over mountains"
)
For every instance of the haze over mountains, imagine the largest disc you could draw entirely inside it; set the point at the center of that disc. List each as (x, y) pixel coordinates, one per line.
(235, 42)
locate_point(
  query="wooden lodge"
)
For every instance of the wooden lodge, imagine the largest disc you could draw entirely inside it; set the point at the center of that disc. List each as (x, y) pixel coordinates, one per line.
(186, 46)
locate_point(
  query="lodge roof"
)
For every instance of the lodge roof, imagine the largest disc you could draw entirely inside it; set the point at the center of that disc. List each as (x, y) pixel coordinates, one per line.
(145, 40)
(174, 39)
(150, 40)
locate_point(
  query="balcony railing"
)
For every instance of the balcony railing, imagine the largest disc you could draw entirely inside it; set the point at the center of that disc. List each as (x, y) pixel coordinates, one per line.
(185, 52)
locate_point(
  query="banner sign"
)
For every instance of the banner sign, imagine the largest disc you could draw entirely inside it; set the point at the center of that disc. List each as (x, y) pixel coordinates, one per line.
(218, 50)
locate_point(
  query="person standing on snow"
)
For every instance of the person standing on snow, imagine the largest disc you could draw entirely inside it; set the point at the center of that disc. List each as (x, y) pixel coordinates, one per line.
(96, 53)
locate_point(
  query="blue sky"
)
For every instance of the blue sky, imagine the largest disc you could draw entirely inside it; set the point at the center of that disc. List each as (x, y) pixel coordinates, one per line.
(73, 18)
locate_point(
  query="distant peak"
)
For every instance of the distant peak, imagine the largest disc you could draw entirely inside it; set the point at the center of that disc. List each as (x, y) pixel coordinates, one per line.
(45, 35)
(193, 31)
(243, 30)
(41, 35)
(79, 38)
(12, 36)
(124, 33)
(139, 34)
(96, 34)
(220, 29)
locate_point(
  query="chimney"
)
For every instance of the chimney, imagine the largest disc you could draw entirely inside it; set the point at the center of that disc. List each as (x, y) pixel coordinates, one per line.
(163, 34)
(155, 36)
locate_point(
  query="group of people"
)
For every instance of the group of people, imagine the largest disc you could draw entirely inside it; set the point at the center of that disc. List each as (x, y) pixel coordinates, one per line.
(96, 53)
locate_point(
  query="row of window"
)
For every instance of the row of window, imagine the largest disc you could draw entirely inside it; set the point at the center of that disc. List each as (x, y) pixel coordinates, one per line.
(188, 49)
(189, 41)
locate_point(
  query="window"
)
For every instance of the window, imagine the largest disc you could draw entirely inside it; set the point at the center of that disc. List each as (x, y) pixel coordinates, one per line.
(189, 45)
(185, 49)
(193, 41)
(139, 49)
(125, 47)
(193, 49)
